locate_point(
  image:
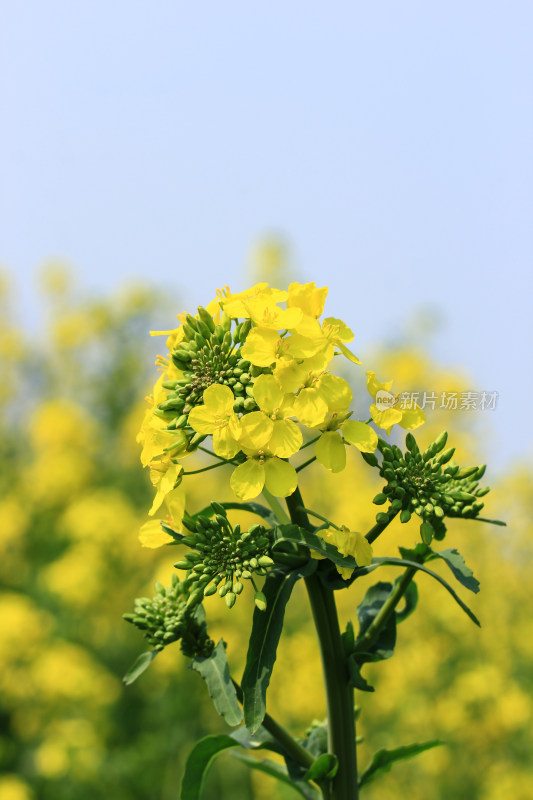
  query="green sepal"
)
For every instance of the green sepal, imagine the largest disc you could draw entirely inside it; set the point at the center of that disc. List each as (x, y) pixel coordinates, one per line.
(383, 760)
(215, 671)
(139, 666)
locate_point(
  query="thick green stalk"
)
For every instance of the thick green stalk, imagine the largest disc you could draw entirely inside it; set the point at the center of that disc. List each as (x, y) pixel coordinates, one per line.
(339, 692)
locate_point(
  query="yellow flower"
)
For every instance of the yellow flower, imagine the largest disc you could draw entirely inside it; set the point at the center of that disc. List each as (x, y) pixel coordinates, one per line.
(164, 475)
(333, 395)
(307, 297)
(234, 304)
(324, 394)
(388, 410)
(263, 469)
(265, 346)
(217, 417)
(265, 313)
(330, 450)
(348, 543)
(151, 533)
(270, 427)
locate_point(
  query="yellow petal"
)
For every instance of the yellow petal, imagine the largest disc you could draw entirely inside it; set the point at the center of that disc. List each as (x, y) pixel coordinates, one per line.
(347, 353)
(310, 408)
(290, 374)
(280, 477)
(219, 398)
(373, 385)
(248, 479)
(261, 346)
(286, 438)
(412, 418)
(337, 330)
(224, 444)
(307, 297)
(165, 485)
(385, 418)
(256, 429)
(152, 534)
(175, 506)
(360, 549)
(299, 346)
(335, 392)
(330, 451)
(267, 393)
(202, 419)
(360, 434)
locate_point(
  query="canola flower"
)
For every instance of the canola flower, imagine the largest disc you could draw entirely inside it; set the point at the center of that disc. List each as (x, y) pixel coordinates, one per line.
(252, 370)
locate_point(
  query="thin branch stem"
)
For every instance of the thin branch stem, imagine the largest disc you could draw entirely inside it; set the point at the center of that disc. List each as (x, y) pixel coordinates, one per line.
(379, 527)
(318, 516)
(306, 463)
(205, 469)
(277, 508)
(382, 617)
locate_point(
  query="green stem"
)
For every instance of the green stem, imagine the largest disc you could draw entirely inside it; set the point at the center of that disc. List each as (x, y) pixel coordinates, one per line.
(205, 469)
(379, 527)
(276, 507)
(318, 516)
(306, 463)
(339, 692)
(380, 620)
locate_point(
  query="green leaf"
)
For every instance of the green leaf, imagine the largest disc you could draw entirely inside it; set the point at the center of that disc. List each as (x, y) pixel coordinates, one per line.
(370, 606)
(215, 671)
(384, 759)
(260, 740)
(280, 773)
(325, 766)
(266, 631)
(402, 562)
(456, 563)
(199, 762)
(411, 599)
(293, 533)
(139, 666)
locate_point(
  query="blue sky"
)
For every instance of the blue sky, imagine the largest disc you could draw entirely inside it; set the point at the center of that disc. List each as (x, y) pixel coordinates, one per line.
(390, 144)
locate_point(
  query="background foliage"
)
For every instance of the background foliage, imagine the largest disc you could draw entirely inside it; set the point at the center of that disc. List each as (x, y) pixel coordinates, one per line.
(72, 497)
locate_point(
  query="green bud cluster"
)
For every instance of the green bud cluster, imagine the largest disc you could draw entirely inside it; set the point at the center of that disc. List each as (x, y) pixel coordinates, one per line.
(222, 557)
(428, 484)
(165, 618)
(208, 354)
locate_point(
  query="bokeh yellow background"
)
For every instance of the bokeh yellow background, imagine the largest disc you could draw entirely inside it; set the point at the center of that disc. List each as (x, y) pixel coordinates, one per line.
(72, 498)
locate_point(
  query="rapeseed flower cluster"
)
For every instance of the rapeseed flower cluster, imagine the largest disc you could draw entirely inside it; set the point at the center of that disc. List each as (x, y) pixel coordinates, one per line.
(253, 370)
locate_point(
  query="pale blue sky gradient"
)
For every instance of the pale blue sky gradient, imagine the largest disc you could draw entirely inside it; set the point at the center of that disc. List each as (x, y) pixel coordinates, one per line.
(391, 143)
